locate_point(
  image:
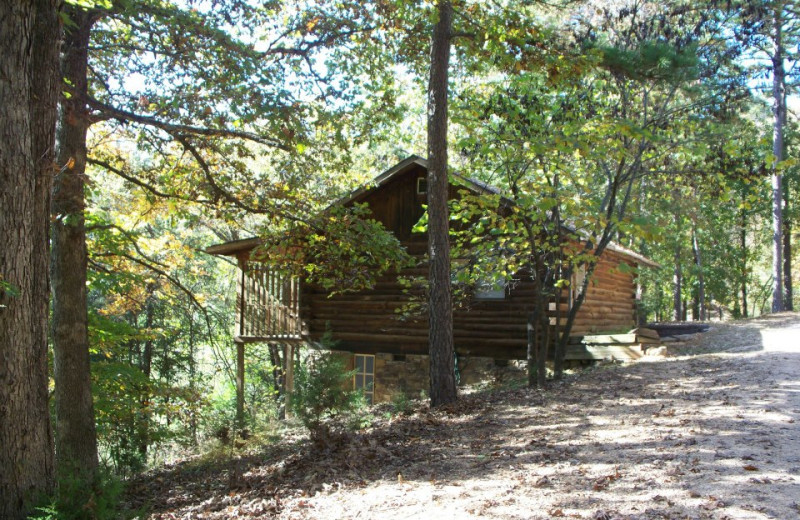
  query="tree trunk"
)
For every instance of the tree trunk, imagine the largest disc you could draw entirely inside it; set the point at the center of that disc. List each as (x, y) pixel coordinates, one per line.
(537, 352)
(29, 36)
(288, 381)
(543, 322)
(544, 344)
(76, 441)
(239, 386)
(440, 306)
(743, 255)
(701, 284)
(559, 349)
(779, 119)
(677, 284)
(277, 379)
(146, 366)
(787, 250)
(192, 377)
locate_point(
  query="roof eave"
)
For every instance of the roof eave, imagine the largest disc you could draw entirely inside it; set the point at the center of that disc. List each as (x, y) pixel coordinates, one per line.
(235, 247)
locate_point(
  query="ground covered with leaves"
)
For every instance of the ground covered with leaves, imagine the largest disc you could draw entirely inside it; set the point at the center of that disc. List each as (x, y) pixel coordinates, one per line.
(709, 432)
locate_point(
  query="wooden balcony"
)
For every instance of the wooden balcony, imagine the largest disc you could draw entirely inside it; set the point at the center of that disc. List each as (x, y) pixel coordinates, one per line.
(268, 305)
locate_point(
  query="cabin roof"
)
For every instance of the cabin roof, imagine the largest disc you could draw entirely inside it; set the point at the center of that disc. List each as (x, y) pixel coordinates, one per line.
(239, 246)
(401, 168)
(235, 246)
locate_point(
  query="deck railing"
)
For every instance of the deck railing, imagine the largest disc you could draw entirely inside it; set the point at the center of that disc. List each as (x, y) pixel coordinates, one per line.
(269, 304)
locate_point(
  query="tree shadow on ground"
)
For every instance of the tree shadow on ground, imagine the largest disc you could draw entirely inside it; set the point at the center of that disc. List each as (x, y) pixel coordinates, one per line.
(695, 427)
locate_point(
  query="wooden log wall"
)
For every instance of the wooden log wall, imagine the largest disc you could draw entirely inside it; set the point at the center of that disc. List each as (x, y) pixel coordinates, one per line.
(610, 299)
(368, 321)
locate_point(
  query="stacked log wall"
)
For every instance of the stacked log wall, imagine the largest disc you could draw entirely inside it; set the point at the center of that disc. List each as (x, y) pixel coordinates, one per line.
(369, 321)
(610, 299)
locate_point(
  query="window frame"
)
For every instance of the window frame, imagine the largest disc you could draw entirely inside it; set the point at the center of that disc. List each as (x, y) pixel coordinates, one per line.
(487, 289)
(422, 181)
(361, 374)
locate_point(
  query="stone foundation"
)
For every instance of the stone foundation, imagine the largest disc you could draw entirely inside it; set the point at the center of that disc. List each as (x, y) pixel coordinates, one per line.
(409, 375)
(395, 375)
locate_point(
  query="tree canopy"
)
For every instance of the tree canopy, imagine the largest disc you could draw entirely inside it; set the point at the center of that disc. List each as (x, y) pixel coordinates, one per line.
(664, 127)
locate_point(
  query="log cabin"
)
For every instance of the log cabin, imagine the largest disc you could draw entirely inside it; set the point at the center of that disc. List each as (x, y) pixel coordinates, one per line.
(389, 352)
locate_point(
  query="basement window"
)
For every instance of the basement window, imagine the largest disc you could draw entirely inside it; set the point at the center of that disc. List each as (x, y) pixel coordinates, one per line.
(422, 186)
(364, 378)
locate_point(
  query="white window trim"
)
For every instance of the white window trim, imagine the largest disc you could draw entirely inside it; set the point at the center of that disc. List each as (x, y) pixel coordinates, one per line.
(370, 394)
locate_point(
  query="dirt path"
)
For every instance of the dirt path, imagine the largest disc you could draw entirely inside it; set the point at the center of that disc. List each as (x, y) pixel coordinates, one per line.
(708, 436)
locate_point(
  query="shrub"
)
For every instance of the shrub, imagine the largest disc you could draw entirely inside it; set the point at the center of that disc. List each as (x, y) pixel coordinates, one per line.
(75, 500)
(321, 391)
(401, 403)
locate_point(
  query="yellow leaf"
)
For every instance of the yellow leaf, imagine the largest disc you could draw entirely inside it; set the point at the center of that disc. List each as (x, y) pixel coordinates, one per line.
(311, 24)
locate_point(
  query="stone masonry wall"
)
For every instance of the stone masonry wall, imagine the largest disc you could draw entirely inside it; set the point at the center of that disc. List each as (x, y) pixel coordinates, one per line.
(409, 374)
(394, 375)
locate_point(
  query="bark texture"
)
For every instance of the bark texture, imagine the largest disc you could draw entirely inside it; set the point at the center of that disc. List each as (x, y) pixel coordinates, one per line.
(29, 34)
(743, 258)
(440, 307)
(677, 286)
(76, 442)
(788, 296)
(779, 118)
(700, 312)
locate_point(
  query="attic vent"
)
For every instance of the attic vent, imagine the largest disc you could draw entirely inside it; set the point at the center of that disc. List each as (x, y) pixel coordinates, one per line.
(422, 186)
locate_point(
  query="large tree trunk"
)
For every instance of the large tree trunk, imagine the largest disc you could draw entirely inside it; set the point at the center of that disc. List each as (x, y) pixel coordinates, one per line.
(76, 442)
(537, 353)
(701, 284)
(29, 37)
(440, 306)
(787, 251)
(779, 119)
(677, 284)
(743, 257)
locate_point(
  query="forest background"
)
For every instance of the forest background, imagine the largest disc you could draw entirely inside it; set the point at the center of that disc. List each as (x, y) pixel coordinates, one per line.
(183, 124)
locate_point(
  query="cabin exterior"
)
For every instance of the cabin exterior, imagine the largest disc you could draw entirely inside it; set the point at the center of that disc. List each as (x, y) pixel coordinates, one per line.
(388, 352)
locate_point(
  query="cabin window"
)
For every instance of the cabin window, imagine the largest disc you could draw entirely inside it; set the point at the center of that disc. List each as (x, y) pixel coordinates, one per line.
(364, 378)
(490, 288)
(422, 186)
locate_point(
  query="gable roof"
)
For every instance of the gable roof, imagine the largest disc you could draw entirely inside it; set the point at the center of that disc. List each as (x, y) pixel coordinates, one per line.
(399, 169)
